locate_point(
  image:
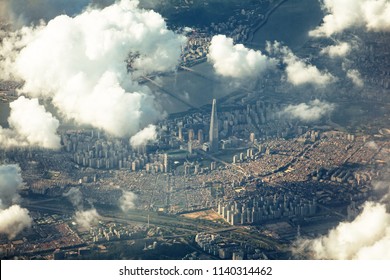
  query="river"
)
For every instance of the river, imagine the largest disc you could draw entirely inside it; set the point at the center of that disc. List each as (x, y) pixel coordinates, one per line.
(290, 23)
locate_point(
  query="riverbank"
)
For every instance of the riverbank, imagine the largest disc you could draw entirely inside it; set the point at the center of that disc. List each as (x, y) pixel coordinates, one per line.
(262, 22)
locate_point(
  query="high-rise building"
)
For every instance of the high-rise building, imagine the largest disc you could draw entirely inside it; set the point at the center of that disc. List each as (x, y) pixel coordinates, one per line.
(181, 133)
(252, 137)
(191, 135)
(166, 163)
(190, 147)
(200, 136)
(213, 134)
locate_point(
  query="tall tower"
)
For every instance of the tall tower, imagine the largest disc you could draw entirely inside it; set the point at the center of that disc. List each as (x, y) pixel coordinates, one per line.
(213, 134)
(166, 163)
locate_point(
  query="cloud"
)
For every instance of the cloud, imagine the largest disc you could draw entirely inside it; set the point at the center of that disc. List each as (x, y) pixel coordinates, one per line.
(312, 111)
(30, 125)
(374, 15)
(366, 237)
(297, 70)
(31, 121)
(78, 64)
(237, 61)
(149, 133)
(13, 218)
(83, 218)
(127, 201)
(10, 182)
(340, 50)
(75, 197)
(355, 77)
(381, 187)
(86, 219)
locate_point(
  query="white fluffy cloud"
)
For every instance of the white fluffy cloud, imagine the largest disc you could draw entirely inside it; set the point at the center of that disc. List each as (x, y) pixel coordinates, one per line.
(149, 133)
(30, 125)
(127, 201)
(343, 14)
(355, 77)
(13, 218)
(86, 219)
(366, 237)
(83, 218)
(312, 111)
(236, 61)
(300, 73)
(339, 50)
(297, 70)
(78, 63)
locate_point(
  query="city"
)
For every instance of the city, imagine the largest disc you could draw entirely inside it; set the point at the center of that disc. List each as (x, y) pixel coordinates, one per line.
(235, 175)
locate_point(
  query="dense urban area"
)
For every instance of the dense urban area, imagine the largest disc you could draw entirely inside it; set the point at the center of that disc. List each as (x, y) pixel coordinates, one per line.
(234, 179)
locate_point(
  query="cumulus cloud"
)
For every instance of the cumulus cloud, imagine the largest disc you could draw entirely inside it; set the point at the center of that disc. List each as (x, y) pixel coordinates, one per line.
(366, 237)
(83, 218)
(355, 77)
(13, 218)
(297, 70)
(127, 201)
(343, 14)
(149, 133)
(78, 63)
(30, 125)
(339, 50)
(312, 111)
(86, 219)
(237, 61)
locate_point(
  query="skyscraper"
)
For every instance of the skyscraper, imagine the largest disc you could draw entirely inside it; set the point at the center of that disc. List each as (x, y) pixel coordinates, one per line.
(180, 133)
(166, 163)
(213, 134)
(190, 135)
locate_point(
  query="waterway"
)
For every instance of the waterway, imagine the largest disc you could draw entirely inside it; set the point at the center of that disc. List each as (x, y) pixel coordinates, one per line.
(290, 23)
